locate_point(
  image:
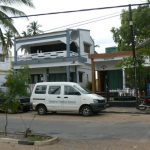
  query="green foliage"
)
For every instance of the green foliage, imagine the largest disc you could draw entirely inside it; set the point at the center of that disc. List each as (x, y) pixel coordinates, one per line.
(18, 82)
(141, 71)
(11, 103)
(17, 85)
(127, 62)
(7, 28)
(32, 29)
(121, 35)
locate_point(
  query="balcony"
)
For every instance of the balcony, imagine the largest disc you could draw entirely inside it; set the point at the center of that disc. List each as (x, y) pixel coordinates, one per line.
(55, 58)
(56, 54)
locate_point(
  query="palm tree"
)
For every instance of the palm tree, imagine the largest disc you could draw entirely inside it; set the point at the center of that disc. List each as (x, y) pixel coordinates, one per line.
(7, 42)
(7, 23)
(24, 34)
(33, 28)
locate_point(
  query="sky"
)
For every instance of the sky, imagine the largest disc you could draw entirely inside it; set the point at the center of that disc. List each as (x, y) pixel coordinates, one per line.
(99, 27)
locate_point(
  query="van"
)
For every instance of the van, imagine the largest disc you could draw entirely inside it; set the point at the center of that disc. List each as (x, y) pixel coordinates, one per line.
(65, 97)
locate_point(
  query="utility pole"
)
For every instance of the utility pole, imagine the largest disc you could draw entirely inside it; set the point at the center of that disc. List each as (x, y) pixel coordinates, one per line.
(134, 52)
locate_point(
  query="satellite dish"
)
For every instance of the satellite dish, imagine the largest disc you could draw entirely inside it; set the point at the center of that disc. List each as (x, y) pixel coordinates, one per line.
(74, 35)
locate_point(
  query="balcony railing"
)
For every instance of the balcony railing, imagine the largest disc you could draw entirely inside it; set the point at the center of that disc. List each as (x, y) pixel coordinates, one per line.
(46, 55)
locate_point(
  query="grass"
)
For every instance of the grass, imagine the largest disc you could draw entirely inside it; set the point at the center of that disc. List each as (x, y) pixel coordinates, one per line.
(33, 137)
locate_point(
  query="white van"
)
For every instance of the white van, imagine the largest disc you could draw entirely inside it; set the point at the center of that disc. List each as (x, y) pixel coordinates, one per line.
(65, 97)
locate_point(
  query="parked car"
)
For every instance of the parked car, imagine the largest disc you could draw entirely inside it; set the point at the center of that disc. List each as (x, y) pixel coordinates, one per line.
(24, 104)
(65, 97)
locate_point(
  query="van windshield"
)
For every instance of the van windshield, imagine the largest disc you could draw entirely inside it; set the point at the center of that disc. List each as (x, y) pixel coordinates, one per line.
(81, 89)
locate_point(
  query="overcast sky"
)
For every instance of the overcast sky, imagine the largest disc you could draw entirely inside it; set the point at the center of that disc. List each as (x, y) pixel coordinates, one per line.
(99, 28)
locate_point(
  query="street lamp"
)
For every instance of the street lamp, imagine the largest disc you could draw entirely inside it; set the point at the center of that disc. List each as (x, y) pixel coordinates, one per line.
(133, 50)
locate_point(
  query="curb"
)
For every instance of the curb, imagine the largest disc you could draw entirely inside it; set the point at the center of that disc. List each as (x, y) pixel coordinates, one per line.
(26, 142)
(126, 112)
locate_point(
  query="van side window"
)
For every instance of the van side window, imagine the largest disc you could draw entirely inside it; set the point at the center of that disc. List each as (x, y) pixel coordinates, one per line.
(68, 90)
(54, 90)
(40, 89)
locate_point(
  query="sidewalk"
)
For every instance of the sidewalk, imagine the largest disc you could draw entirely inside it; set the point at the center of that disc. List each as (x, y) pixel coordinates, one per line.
(131, 110)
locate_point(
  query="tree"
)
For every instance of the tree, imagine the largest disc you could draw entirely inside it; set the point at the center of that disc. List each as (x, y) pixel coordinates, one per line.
(6, 22)
(32, 29)
(121, 35)
(141, 71)
(18, 82)
(7, 42)
(17, 85)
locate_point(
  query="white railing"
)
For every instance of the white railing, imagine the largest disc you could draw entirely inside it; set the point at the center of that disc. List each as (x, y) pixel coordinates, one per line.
(46, 55)
(124, 92)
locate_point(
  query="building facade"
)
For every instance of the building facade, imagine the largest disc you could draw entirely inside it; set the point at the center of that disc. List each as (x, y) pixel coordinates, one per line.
(5, 65)
(56, 56)
(108, 75)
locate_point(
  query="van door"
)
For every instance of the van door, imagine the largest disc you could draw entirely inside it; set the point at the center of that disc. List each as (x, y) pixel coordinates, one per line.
(54, 97)
(71, 99)
(39, 95)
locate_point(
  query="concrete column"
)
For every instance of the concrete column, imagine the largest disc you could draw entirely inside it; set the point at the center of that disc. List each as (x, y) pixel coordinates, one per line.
(44, 77)
(79, 53)
(76, 74)
(68, 54)
(93, 76)
(123, 80)
(68, 43)
(15, 52)
(99, 81)
(68, 73)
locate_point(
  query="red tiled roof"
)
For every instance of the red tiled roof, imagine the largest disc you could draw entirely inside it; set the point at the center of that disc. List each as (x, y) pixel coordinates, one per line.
(114, 54)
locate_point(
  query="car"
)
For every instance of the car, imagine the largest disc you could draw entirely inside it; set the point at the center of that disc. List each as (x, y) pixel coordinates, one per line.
(24, 104)
(65, 97)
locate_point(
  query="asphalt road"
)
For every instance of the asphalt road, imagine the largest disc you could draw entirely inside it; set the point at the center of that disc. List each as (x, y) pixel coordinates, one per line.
(104, 126)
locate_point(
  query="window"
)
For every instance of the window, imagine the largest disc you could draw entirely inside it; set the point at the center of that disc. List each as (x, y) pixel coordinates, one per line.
(54, 90)
(40, 89)
(70, 91)
(36, 78)
(80, 76)
(86, 47)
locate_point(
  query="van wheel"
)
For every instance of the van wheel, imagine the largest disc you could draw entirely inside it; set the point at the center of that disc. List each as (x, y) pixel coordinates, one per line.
(86, 111)
(41, 110)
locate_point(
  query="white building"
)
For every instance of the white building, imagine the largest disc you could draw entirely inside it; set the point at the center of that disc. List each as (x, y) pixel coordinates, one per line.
(56, 56)
(4, 67)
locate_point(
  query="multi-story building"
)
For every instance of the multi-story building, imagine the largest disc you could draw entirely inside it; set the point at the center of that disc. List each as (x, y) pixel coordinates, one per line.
(4, 67)
(56, 56)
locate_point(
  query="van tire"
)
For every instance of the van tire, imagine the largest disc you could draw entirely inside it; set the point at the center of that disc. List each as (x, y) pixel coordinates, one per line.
(41, 109)
(86, 110)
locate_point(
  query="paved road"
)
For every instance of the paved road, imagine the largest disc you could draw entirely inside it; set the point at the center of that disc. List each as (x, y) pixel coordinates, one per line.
(104, 126)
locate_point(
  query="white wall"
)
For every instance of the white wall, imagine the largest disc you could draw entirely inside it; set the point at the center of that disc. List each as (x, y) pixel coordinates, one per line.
(86, 69)
(1, 49)
(4, 67)
(86, 38)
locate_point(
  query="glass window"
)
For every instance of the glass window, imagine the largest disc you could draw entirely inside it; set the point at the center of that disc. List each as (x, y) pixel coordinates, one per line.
(40, 89)
(80, 76)
(81, 89)
(54, 90)
(86, 47)
(70, 91)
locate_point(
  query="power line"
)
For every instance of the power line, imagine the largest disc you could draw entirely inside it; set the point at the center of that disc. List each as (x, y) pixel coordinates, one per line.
(84, 22)
(94, 21)
(74, 11)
